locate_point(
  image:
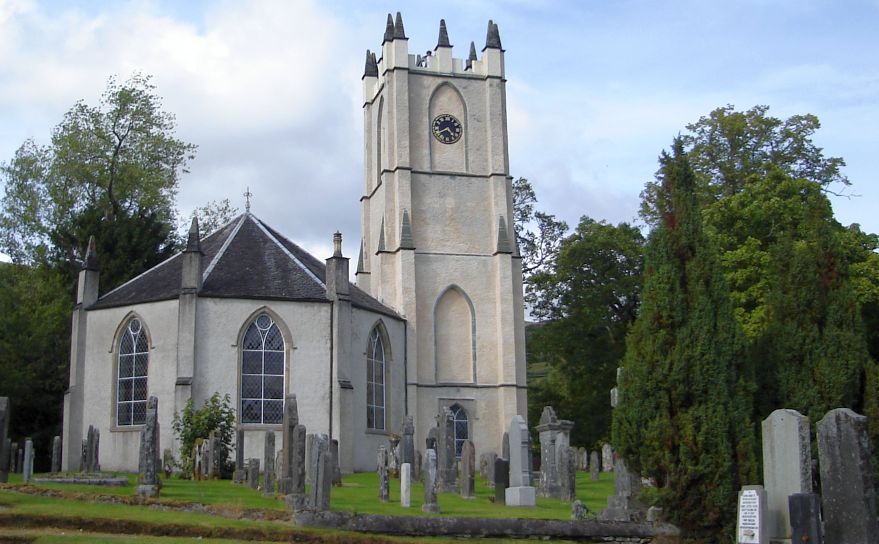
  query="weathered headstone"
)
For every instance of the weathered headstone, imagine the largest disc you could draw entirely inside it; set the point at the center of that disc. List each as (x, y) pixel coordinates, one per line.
(489, 468)
(27, 470)
(548, 429)
(268, 487)
(56, 454)
(579, 511)
(594, 465)
(148, 484)
(168, 462)
(468, 469)
(416, 469)
(393, 456)
(238, 475)
(319, 498)
(568, 473)
(787, 467)
(751, 519)
(381, 466)
(520, 492)
(253, 473)
(431, 440)
(607, 463)
(430, 473)
(407, 441)
(805, 517)
(337, 468)
(13, 457)
(505, 446)
(501, 479)
(445, 454)
(847, 491)
(19, 465)
(406, 485)
(624, 505)
(4, 439)
(309, 459)
(295, 486)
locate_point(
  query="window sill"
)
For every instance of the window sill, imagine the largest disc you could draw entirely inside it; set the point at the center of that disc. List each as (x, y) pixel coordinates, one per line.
(261, 426)
(126, 428)
(380, 432)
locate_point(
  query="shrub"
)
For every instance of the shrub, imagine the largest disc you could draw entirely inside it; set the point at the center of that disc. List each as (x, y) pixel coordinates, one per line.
(217, 415)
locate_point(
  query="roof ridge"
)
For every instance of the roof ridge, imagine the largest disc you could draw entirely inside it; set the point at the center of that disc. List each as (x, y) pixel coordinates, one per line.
(287, 252)
(226, 242)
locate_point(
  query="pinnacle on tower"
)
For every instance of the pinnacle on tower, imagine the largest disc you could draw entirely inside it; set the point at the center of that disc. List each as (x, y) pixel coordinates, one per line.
(399, 33)
(91, 256)
(361, 268)
(192, 241)
(406, 241)
(381, 237)
(443, 40)
(371, 69)
(389, 30)
(472, 56)
(492, 37)
(503, 239)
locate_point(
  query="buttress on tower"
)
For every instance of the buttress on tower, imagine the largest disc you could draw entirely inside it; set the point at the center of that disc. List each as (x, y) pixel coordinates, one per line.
(437, 221)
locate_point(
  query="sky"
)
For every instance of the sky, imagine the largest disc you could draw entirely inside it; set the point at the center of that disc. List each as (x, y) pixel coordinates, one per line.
(270, 91)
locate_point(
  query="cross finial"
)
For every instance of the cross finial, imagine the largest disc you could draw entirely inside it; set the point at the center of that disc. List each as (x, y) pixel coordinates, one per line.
(247, 195)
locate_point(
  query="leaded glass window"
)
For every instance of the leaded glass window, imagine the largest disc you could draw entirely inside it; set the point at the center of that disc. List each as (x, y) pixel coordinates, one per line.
(375, 381)
(131, 375)
(462, 429)
(262, 372)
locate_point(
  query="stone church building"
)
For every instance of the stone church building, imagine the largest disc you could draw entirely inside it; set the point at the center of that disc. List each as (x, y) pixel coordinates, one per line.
(435, 318)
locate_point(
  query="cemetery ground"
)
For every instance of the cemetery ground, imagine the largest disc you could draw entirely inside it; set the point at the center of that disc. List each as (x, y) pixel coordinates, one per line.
(218, 509)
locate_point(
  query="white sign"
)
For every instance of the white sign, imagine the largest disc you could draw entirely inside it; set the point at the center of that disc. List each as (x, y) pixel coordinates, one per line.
(749, 517)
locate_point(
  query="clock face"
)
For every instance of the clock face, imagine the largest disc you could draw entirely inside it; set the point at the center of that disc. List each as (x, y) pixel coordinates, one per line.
(446, 128)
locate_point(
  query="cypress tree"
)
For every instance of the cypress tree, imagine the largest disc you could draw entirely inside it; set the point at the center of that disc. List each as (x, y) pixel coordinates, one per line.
(685, 412)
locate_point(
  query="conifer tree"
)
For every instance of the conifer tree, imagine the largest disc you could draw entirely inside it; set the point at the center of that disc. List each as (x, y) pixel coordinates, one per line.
(685, 411)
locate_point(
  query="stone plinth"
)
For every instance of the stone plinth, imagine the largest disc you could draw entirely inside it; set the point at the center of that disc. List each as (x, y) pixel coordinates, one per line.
(787, 467)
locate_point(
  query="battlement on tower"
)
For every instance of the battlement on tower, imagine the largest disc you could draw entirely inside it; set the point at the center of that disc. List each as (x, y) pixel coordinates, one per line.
(395, 55)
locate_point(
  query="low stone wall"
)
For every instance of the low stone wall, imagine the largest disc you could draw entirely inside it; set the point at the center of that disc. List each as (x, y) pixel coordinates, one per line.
(108, 482)
(490, 527)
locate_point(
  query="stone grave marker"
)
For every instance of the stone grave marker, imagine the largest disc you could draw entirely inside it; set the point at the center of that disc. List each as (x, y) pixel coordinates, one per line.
(4, 439)
(407, 441)
(27, 471)
(168, 462)
(847, 491)
(594, 467)
(393, 456)
(56, 454)
(520, 492)
(607, 463)
(787, 467)
(468, 469)
(319, 498)
(148, 471)
(309, 459)
(268, 487)
(447, 475)
(505, 446)
(624, 505)
(253, 473)
(501, 479)
(751, 519)
(238, 475)
(489, 468)
(579, 511)
(381, 465)
(416, 469)
(337, 469)
(295, 491)
(431, 440)
(406, 485)
(13, 457)
(554, 435)
(430, 473)
(568, 474)
(19, 465)
(805, 518)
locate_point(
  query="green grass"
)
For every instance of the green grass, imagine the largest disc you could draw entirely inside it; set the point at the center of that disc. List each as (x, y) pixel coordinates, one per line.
(54, 536)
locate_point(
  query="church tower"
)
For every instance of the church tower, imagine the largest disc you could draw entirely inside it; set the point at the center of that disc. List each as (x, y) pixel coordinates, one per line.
(437, 220)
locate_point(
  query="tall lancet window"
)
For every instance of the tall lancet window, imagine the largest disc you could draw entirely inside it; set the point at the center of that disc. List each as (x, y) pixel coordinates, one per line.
(462, 427)
(262, 372)
(375, 381)
(131, 375)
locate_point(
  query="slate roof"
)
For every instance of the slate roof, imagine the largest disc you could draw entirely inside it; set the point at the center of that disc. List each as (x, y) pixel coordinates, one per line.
(244, 259)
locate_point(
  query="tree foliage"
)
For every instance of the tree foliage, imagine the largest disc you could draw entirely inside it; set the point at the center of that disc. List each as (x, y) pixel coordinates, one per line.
(684, 416)
(212, 216)
(215, 415)
(537, 233)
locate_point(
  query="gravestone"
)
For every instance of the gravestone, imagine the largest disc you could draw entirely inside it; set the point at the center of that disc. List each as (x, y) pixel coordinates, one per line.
(847, 492)
(594, 466)
(56, 454)
(238, 475)
(751, 518)
(27, 471)
(488, 475)
(309, 459)
(416, 469)
(4, 439)
(295, 490)
(468, 469)
(168, 462)
(430, 473)
(445, 454)
(431, 440)
(520, 491)
(407, 442)
(505, 446)
(337, 469)
(19, 465)
(624, 505)
(217, 459)
(268, 487)
(393, 456)
(253, 473)
(787, 467)
(406, 485)
(554, 435)
(13, 457)
(582, 460)
(607, 463)
(805, 517)
(381, 466)
(92, 448)
(319, 497)
(148, 471)
(568, 474)
(501, 480)
(579, 511)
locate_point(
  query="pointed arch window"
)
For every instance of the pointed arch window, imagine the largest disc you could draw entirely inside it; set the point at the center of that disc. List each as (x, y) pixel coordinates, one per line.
(375, 381)
(262, 372)
(462, 427)
(131, 375)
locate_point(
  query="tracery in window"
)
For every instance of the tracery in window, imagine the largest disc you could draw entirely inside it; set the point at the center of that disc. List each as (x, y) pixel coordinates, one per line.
(131, 375)
(262, 372)
(375, 381)
(462, 427)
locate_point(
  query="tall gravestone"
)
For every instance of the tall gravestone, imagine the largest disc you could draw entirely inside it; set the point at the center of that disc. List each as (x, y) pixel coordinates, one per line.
(505, 446)
(594, 465)
(309, 459)
(520, 492)
(554, 439)
(20, 463)
(787, 467)
(568, 473)
(406, 485)
(445, 454)
(624, 505)
(430, 473)
(319, 497)
(407, 442)
(13, 457)
(268, 487)
(27, 470)
(148, 485)
(381, 465)
(293, 464)
(253, 473)
(847, 491)
(337, 468)
(238, 475)
(56, 454)
(607, 464)
(468, 469)
(501, 479)
(4, 439)
(416, 468)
